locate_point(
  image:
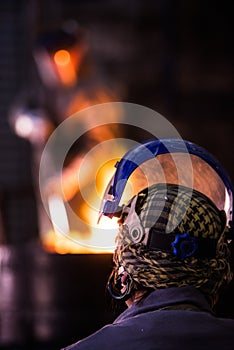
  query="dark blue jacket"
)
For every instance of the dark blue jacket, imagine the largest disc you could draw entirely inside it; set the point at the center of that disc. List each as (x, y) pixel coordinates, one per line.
(173, 318)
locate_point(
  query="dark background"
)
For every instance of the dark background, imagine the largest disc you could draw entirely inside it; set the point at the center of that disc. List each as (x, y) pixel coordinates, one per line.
(172, 56)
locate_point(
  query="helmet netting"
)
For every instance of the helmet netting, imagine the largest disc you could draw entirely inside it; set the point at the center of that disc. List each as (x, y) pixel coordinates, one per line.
(168, 209)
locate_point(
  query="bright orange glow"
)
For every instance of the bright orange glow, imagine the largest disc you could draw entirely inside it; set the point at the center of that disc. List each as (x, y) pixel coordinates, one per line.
(104, 175)
(62, 57)
(70, 184)
(57, 243)
(79, 191)
(62, 239)
(65, 67)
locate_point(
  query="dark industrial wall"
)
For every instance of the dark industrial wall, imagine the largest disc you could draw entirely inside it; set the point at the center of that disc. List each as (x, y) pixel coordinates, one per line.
(17, 200)
(173, 56)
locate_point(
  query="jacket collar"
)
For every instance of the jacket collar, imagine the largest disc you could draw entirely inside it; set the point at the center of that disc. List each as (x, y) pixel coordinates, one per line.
(163, 298)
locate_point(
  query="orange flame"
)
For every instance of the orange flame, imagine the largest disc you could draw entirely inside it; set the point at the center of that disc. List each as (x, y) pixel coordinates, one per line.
(61, 239)
(65, 67)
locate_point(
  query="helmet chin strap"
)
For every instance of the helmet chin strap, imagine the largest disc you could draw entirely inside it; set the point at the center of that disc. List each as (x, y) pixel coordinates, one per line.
(120, 288)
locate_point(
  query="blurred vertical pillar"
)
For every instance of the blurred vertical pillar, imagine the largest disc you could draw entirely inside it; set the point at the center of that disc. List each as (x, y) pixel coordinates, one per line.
(18, 207)
(17, 198)
(15, 298)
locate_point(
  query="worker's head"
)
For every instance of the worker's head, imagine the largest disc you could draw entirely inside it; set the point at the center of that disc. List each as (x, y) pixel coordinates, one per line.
(171, 233)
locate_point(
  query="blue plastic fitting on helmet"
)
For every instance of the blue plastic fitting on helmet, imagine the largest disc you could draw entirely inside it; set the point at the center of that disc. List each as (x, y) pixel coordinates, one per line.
(184, 246)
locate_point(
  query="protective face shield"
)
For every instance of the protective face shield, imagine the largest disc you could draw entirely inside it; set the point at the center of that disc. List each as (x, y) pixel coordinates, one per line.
(185, 168)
